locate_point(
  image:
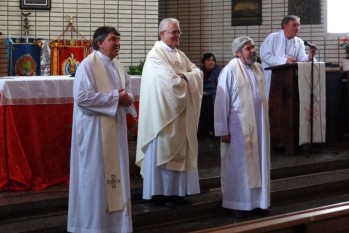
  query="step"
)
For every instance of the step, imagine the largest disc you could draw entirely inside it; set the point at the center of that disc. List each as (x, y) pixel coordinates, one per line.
(290, 166)
(186, 219)
(282, 191)
(49, 206)
(309, 185)
(14, 204)
(56, 198)
(45, 223)
(329, 218)
(206, 204)
(226, 219)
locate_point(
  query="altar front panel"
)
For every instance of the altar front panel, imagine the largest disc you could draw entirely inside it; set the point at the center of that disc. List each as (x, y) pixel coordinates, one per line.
(35, 134)
(36, 118)
(36, 145)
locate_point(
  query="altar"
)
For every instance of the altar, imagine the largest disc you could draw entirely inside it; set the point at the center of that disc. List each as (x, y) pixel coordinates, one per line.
(35, 133)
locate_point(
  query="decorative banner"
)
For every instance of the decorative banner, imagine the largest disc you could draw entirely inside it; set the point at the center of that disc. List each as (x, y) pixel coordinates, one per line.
(23, 57)
(66, 55)
(312, 119)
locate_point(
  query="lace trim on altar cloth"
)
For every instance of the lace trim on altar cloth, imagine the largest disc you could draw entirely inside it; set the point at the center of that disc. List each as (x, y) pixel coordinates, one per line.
(32, 101)
(36, 90)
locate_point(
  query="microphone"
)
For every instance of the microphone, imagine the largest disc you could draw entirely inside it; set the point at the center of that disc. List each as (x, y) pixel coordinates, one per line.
(306, 43)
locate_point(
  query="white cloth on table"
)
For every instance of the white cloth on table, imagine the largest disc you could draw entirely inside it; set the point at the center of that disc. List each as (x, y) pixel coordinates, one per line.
(29, 90)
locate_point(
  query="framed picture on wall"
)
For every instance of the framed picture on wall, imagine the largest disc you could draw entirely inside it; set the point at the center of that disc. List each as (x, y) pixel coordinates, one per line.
(36, 4)
(308, 10)
(246, 12)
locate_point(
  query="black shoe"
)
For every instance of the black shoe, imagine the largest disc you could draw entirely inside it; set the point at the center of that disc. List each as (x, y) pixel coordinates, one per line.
(240, 214)
(161, 200)
(260, 211)
(180, 200)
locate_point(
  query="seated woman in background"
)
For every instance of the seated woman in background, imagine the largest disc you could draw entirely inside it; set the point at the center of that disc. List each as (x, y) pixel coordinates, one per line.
(211, 72)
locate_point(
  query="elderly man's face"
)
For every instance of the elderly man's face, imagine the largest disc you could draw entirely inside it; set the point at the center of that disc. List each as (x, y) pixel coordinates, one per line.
(171, 35)
(110, 46)
(247, 54)
(291, 29)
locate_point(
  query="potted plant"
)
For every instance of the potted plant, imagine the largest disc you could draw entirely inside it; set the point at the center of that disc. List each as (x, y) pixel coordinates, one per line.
(344, 43)
(136, 70)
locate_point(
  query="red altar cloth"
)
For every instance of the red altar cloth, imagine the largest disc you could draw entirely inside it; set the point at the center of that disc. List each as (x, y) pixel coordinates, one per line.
(132, 124)
(31, 155)
(35, 131)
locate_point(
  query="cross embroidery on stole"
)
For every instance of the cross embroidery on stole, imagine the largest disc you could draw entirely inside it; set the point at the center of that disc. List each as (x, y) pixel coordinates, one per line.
(113, 181)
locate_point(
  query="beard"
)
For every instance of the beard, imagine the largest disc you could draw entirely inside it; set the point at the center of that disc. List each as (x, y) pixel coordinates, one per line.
(252, 59)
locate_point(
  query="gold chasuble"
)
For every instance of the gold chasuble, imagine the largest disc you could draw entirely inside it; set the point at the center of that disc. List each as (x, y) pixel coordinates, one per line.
(109, 138)
(248, 119)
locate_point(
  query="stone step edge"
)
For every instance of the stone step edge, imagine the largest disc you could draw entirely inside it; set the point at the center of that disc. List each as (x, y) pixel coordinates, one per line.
(311, 168)
(45, 206)
(207, 208)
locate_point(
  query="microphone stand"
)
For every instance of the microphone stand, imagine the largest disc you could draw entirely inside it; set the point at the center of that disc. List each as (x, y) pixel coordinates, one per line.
(311, 99)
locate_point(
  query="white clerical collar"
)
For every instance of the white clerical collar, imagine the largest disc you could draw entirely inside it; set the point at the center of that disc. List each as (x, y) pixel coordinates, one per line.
(103, 57)
(166, 46)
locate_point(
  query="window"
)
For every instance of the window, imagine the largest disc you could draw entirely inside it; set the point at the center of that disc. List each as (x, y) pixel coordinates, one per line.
(337, 11)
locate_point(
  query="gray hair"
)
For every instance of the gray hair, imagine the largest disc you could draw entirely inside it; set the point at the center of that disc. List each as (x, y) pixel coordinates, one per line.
(239, 42)
(163, 26)
(289, 18)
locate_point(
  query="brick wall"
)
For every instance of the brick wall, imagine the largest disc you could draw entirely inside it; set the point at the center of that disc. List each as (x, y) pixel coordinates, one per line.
(206, 25)
(137, 21)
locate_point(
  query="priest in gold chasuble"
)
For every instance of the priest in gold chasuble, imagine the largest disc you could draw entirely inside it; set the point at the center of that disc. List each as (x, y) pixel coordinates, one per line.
(170, 99)
(99, 189)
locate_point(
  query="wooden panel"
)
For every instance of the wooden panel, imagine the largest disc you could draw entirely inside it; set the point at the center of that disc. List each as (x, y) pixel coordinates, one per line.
(295, 229)
(336, 225)
(284, 109)
(327, 219)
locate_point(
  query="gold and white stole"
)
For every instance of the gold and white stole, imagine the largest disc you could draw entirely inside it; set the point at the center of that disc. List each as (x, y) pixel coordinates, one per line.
(109, 138)
(248, 119)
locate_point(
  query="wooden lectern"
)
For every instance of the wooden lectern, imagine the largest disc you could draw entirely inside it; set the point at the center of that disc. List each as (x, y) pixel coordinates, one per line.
(284, 108)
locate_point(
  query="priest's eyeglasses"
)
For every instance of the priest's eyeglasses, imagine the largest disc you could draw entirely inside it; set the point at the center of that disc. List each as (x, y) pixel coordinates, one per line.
(175, 33)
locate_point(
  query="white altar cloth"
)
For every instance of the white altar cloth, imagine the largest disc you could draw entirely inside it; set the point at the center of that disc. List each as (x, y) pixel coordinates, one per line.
(28, 90)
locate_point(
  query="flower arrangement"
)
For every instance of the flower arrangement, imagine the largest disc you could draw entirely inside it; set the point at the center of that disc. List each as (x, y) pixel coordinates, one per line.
(344, 43)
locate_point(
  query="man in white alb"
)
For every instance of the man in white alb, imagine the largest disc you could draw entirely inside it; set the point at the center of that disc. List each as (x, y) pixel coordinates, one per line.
(99, 189)
(170, 98)
(284, 47)
(242, 122)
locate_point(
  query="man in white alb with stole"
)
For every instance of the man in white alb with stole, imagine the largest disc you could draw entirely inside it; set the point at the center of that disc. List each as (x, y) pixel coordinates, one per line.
(242, 121)
(284, 47)
(99, 190)
(170, 99)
